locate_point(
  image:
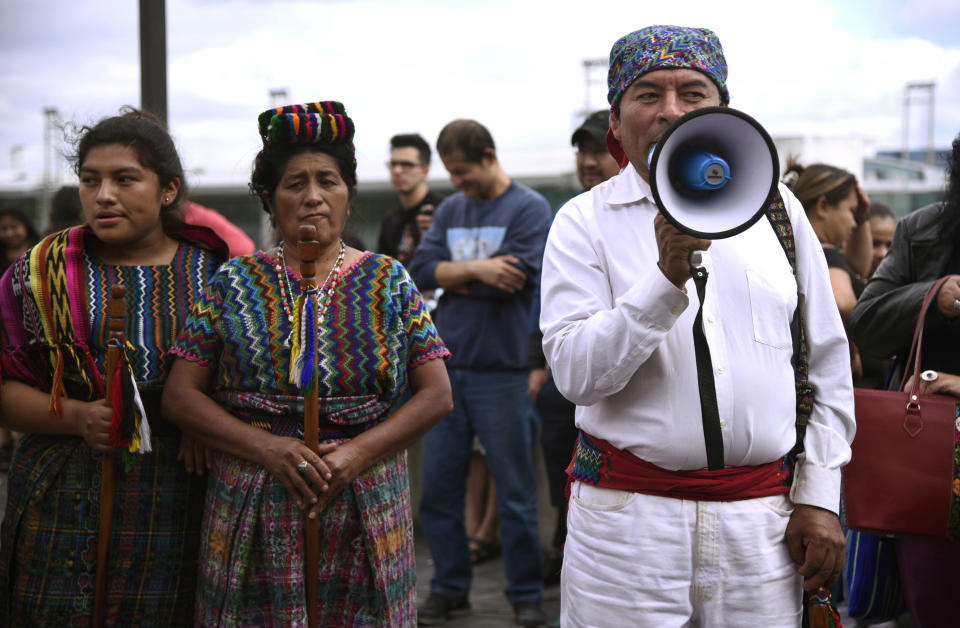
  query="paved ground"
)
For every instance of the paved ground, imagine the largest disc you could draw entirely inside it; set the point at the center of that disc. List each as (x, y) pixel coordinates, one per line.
(490, 608)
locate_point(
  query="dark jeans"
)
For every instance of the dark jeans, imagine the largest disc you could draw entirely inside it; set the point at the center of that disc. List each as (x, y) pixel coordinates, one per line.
(493, 405)
(558, 437)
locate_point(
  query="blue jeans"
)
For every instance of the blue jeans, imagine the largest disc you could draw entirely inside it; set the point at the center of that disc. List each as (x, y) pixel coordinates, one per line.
(493, 405)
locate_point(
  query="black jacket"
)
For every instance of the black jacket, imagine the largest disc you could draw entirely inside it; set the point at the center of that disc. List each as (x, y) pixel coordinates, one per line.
(884, 318)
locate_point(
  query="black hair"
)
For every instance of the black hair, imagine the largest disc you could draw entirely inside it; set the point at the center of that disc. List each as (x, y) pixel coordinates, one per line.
(351, 239)
(880, 210)
(951, 197)
(65, 209)
(33, 236)
(150, 141)
(467, 136)
(413, 140)
(270, 163)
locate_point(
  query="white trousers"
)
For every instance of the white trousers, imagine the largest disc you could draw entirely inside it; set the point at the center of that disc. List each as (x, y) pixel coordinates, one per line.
(640, 560)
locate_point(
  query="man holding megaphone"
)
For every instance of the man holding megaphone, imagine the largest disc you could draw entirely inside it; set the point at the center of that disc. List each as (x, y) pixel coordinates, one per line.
(714, 415)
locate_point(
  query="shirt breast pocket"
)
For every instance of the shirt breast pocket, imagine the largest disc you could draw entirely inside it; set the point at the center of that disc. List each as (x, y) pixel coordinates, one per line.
(772, 303)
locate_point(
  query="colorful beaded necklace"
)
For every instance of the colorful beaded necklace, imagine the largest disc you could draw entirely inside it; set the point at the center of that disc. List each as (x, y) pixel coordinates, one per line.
(326, 291)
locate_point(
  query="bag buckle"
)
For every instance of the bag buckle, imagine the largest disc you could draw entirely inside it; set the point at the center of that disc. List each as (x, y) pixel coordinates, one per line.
(912, 419)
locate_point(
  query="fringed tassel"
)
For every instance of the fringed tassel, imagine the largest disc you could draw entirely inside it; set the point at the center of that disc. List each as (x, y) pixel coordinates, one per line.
(308, 376)
(296, 351)
(56, 389)
(135, 422)
(129, 427)
(818, 611)
(143, 435)
(303, 353)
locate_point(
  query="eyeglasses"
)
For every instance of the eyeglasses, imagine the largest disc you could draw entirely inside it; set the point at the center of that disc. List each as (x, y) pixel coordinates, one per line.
(597, 153)
(403, 165)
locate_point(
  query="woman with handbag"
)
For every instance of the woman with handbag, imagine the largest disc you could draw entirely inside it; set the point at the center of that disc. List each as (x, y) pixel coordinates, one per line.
(925, 249)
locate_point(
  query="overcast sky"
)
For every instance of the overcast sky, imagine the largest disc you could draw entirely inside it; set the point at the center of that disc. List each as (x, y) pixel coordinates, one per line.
(801, 67)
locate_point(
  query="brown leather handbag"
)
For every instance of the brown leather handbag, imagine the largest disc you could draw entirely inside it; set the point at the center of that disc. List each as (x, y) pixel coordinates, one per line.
(901, 475)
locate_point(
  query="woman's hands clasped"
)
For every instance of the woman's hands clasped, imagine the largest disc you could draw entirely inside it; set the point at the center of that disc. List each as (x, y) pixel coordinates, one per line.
(312, 479)
(301, 471)
(345, 464)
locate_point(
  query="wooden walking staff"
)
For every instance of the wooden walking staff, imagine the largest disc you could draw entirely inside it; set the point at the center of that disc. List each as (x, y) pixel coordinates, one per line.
(116, 315)
(309, 251)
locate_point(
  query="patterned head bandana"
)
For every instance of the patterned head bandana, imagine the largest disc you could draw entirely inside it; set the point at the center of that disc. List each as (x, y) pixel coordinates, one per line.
(663, 47)
(324, 122)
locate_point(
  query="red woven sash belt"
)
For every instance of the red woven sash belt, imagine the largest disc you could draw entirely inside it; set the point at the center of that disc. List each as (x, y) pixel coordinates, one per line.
(599, 463)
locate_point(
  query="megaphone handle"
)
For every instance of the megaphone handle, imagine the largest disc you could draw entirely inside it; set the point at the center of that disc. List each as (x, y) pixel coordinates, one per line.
(696, 261)
(710, 413)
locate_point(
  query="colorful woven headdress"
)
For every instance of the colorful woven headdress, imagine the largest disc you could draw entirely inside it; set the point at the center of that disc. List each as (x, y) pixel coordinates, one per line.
(663, 47)
(324, 122)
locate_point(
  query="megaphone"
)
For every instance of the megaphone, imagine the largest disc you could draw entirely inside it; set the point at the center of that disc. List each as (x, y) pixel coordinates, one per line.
(713, 172)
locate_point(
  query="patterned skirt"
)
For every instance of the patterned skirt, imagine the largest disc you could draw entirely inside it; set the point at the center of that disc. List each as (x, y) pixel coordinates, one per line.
(49, 536)
(253, 567)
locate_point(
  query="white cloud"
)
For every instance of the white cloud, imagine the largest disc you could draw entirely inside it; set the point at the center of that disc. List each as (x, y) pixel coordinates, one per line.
(413, 66)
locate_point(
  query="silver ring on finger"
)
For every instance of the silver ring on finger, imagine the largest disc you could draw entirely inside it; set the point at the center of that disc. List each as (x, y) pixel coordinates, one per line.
(302, 466)
(956, 304)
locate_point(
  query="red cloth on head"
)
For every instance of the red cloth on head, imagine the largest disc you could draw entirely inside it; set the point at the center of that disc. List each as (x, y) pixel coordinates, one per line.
(613, 145)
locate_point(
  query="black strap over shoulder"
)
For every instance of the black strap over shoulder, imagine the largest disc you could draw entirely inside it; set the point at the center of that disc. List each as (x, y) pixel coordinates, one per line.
(710, 414)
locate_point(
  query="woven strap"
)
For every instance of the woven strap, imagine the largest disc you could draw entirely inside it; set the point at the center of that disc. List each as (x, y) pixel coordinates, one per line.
(780, 221)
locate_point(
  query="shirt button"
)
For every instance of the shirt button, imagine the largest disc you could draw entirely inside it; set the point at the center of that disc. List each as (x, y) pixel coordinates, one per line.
(723, 423)
(677, 310)
(710, 319)
(719, 370)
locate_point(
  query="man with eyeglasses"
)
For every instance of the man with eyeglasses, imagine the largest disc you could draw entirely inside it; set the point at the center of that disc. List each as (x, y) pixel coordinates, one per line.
(409, 165)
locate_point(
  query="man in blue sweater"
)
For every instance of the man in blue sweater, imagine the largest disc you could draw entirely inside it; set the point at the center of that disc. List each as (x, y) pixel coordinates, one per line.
(484, 249)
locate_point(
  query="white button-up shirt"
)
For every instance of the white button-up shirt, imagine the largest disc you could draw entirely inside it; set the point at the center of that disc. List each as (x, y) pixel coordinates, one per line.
(618, 337)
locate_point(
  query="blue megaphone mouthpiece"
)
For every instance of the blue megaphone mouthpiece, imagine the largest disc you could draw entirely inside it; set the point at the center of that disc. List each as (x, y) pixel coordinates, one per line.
(698, 169)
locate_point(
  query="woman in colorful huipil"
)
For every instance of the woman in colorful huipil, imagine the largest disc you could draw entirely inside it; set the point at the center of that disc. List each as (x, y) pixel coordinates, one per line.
(232, 388)
(54, 306)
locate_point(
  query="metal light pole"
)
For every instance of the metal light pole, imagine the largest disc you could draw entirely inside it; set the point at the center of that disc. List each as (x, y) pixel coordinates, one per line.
(925, 88)
(591, 67)
(51, 163)
(153, 57)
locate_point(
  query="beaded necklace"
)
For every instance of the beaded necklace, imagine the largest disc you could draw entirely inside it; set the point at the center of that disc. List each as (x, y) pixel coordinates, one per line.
(326, 291)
